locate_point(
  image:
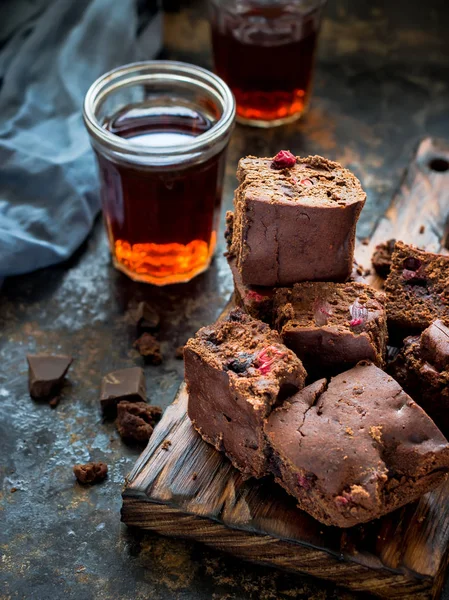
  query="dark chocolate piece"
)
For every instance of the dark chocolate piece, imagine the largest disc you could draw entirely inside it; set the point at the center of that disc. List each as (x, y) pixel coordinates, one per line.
(236, 371)
(148, 347)
(136, 420)
(355, 449)
(147, 319)
(417, 290)
(422, 368)
(295, 224)
(332, 326)
(381, 258)
(124, 384)
(91, 472)
(46, 373)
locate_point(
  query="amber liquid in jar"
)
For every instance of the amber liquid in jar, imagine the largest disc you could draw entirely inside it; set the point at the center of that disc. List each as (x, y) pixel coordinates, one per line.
(161, 222)
(266, 56)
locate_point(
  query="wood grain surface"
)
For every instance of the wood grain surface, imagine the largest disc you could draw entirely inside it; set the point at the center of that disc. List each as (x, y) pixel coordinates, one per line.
(182, 487)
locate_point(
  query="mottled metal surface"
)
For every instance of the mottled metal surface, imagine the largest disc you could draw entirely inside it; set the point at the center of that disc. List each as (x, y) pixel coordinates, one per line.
(382, 83)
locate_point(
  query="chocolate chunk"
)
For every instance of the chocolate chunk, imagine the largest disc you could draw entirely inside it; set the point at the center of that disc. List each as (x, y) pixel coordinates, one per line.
(46, 373)
(435, 345)
(148, 347)
(135, 420)
(124, 384)
(147, 319)
(91, 472)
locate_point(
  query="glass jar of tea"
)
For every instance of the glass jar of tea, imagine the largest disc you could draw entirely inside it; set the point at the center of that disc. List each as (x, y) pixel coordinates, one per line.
(265, 51)
(160, 130)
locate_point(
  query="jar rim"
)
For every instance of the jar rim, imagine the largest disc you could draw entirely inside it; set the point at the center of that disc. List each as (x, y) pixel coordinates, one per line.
(157, 70)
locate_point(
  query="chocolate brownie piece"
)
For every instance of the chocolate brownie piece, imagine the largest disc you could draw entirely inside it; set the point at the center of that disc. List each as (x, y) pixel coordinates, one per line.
(149, 347)
(136, 420)
(257, 300)
(381, 258)
(236, 371)
(90, 472)
(355, 449)
(422, 368)
(332, 325)
(417, 289)
(294, 224)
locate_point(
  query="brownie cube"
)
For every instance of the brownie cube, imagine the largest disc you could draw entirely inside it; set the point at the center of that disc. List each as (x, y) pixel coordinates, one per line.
(417, 289)
(294, 224)
(257, 300)
(355, 448)
(332, 325)
(422, 368)
(236, 371)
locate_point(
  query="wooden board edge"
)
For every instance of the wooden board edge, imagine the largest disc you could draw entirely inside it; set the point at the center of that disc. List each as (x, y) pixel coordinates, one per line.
(273, 552)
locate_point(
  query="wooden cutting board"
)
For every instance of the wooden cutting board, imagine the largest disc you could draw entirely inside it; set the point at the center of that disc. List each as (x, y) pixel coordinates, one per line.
(182, 487)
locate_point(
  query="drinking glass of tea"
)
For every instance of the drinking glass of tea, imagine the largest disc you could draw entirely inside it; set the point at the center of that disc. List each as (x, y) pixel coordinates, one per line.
(160, 130)
(265, 50)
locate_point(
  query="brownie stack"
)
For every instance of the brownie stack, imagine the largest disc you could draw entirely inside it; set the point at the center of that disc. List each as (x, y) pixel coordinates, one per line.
(292, 383)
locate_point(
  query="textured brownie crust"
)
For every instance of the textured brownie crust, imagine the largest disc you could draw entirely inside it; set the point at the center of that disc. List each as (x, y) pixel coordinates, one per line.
(236, 371)
(356, 449)
(381, 258)
(422, 368)
(294, 224)
(332, 325)
(417, 289)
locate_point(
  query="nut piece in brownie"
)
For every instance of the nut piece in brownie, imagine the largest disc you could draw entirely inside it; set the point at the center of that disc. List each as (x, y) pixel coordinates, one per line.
(295, 223)
(332, 325)
(381, 258)
(417, 289)
(236, 371)
(355, 449)
(422, 368)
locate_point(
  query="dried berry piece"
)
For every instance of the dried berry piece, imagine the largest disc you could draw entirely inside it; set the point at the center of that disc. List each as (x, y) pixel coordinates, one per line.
(411, 263)
(266, 358)
(146, 318)
(322, 310)
(305, 481)
(283, 160)
(254, 296)
(135, 420)
(359, 314)
(306, 182)
(148, 347)
(91, 472)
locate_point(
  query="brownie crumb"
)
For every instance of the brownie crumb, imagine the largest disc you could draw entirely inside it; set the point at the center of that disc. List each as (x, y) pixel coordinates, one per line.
(166, 445)
(13, 490)
(149, 347)
(146, 318)
(91, 472)
(365, 241)
(349, 431)
(422, 229)
(179, 353)
(135, 421)
(376, 433)
(381, 258)
(194, 476)
(55, 401)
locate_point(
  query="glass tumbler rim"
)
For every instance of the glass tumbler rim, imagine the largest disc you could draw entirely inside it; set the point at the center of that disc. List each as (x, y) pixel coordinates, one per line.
(158, 71)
